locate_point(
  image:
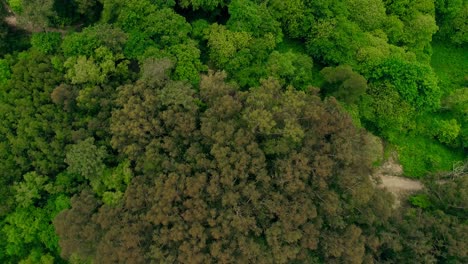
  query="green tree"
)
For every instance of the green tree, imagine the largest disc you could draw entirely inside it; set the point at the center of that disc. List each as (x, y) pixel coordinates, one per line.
(447, 131)
(86, 159)
(33, 129)
(166, 27)
(91, 38)
(46, 42)
(153, 20)
(388, 113)
(343, 83)
(335, 40)
(418, 18)
(415, 82)
(15, 5)
(188, 65)
(96, 69)
(367, 22)
(247, 16)
(456, 104)
(460, 26)
(224, 44)
(240, 54)
(451, 17)
(296, 19)
(291, 67)
(28, 231)
(30, 189)
(208, 5)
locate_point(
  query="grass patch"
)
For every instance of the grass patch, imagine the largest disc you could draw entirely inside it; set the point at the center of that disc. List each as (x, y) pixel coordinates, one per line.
(450, 63)
(420, 155)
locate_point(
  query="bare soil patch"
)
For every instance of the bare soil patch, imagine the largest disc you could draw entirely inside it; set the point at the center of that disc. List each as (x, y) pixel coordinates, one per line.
(389, 177)
(11, 20)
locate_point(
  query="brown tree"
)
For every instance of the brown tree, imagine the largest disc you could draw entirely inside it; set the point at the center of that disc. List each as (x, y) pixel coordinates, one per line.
(266, 176)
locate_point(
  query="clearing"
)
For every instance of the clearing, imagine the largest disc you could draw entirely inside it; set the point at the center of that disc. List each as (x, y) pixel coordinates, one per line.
(388, 176)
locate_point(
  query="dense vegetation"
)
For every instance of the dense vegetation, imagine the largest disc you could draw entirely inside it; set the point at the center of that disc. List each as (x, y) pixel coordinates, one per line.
(240, 131)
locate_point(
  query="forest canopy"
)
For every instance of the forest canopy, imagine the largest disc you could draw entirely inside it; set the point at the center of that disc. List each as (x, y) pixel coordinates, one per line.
(250, 131)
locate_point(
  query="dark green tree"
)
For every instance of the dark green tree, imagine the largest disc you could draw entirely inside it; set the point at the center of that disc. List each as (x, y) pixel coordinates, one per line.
(343, 83)
(33, 129)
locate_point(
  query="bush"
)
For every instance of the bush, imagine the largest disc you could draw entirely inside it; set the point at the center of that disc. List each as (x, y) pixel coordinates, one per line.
(420, 200)
(46, 42)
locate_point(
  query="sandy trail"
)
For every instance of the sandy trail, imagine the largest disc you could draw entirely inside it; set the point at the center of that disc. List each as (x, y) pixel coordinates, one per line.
(389, 176)
(399, 184)
(11, 20)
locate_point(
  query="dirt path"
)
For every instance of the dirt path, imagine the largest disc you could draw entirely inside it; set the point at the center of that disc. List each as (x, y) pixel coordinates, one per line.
(389, 176)
(397, 184)
(12, 20)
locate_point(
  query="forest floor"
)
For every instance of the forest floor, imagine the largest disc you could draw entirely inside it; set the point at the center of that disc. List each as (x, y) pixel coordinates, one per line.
(389, 176)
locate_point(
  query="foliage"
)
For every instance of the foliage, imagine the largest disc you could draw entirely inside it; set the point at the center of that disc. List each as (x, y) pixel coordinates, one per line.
(335, 40)
(214, 131)
(415, 82)
(449, 64)
(91, 38)
(15, 5)
(188, 65)
(291, 68)
(4, 72)
(85, 159)
(96, 69)
(33, 130)
(224, 43)
(420, 200)
(28, 231)
(242, 55)
(29, 190)
(447, 131)
(247, 16)
(240, 199)
(368, 22)
(343, 83)
(386, 111)
(46, 42)
(451, 18)
(295, 19)
(202, 4)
